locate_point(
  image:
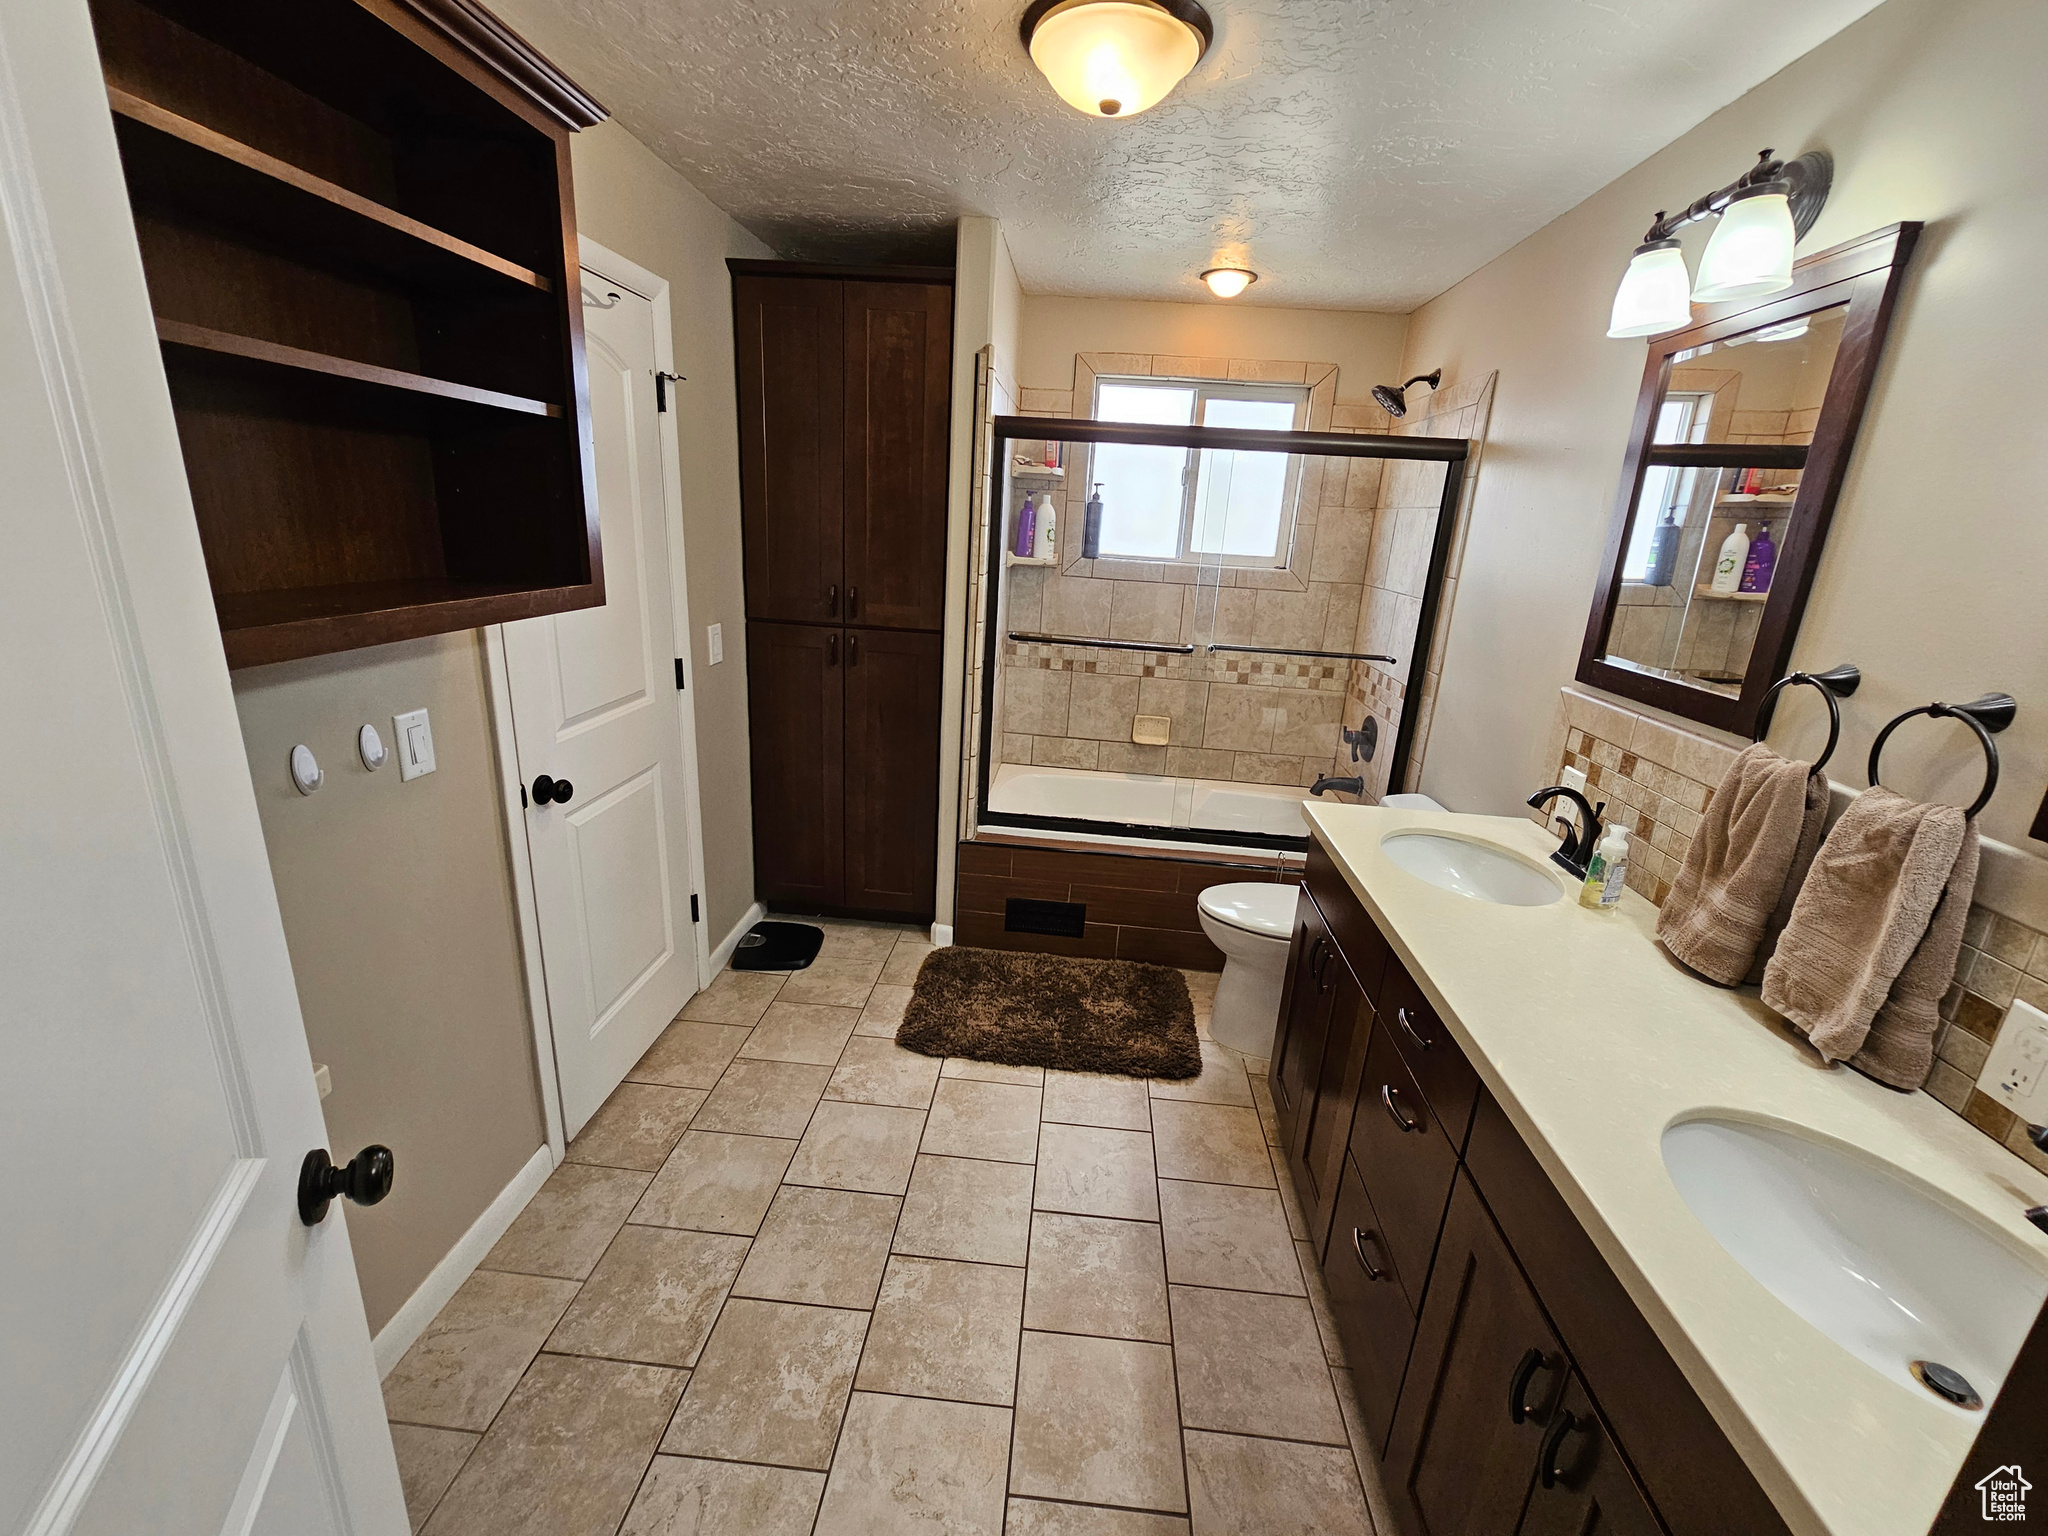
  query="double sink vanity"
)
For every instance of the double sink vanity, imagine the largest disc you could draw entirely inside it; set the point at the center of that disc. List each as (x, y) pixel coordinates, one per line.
(1611, 1248)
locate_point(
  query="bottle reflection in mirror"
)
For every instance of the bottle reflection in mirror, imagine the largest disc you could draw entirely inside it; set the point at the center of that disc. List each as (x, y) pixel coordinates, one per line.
(1664, 550)
(1091, 524)
(1763, 559)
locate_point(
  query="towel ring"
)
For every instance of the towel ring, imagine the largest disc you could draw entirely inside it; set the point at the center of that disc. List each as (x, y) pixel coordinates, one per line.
(1989, 714)
(1836, 682)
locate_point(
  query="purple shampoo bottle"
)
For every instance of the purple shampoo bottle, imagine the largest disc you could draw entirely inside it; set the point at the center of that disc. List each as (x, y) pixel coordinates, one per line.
(1763, 559)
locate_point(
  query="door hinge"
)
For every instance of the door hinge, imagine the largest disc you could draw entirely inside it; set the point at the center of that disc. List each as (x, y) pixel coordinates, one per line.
(693, 907)
(661, 383)
(680, 684)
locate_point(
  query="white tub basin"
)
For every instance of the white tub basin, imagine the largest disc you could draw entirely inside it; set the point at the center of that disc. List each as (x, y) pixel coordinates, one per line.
(1471, 869)
(1879, 1262)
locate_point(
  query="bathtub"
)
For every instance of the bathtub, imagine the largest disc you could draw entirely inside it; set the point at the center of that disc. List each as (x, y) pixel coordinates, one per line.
(1144, 799)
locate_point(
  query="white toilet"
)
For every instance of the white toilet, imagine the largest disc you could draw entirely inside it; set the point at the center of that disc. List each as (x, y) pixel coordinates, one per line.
(1253, 924)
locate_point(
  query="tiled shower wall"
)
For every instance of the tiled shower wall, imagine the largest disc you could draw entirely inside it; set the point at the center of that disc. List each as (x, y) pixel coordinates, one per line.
(1397, 572)
(1267, 720)
(1657, 780)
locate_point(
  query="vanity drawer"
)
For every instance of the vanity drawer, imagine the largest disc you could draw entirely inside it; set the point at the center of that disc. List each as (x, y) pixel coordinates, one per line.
(1404, 1158)
(1446, 1078)
(1370, 1305)
(1358, 938)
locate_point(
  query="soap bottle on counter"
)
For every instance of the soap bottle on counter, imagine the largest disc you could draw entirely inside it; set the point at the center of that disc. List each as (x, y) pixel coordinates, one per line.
(1606, 871)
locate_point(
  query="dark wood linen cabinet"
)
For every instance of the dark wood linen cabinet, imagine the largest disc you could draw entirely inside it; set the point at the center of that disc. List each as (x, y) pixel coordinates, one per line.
(844, 381)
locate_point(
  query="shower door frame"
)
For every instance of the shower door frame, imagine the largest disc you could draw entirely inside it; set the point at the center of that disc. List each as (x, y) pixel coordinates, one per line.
(1452, 452)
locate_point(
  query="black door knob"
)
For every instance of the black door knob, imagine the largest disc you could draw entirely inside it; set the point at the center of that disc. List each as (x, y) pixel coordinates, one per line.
(552, 791)
(365, 1179)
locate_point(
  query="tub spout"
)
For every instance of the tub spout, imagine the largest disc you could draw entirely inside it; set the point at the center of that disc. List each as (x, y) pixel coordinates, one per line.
(1354, 785)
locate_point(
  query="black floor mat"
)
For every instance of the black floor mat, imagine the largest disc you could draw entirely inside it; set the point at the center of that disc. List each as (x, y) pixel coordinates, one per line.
(778, 947)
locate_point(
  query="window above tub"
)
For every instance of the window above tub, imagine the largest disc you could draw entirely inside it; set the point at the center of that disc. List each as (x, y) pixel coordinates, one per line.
(1208, 505)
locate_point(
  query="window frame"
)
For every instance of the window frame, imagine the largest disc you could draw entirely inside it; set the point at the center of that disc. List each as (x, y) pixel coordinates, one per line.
(1296, 395)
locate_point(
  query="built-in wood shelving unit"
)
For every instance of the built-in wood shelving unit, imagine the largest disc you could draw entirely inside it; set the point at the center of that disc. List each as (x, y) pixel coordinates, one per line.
(355, 221)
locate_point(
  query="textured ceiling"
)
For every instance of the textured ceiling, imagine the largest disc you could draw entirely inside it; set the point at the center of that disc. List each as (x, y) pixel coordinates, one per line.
(1359, 154)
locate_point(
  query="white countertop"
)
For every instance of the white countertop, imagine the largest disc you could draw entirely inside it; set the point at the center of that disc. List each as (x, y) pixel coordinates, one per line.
(1594, 1041)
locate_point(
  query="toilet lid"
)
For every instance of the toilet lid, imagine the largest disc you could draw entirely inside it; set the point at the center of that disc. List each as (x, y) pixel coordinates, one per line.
(1257, 907)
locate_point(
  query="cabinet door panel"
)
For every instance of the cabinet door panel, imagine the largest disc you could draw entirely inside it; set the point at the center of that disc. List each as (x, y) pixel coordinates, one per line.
(789, 335)
(1482, 1384)
(898, 371)
(795, 697)
(892, 771)
(1582, 1486)
(1327, 1120)
(1304, 1019)
(1404, 1157)
(1370, 1303)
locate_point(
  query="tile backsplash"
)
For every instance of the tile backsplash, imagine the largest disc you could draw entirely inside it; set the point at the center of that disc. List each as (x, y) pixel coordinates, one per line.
(1657, 780)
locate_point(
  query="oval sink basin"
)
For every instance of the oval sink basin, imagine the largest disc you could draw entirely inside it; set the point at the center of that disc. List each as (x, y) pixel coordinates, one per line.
(1471, 869)
(1875, 1260)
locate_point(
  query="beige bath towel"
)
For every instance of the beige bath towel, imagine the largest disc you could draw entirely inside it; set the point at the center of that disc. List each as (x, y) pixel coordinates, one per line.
(1875, 934)
(1767, 812)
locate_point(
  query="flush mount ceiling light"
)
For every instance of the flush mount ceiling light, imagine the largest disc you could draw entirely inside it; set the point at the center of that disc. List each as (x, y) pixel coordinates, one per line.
(1114, 58)
(1763, 214)
(1229, 282)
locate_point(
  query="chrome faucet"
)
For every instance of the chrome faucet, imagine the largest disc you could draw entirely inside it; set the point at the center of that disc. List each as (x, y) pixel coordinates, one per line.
(1576, 851)
(1355, 785)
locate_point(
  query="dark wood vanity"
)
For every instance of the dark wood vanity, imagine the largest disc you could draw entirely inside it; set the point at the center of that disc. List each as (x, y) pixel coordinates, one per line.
(1507, 1380)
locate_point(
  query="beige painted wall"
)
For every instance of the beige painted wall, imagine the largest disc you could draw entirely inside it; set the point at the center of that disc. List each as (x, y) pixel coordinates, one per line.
(631, 203)
(1365, 346)
(1933, 578)
(398, 910)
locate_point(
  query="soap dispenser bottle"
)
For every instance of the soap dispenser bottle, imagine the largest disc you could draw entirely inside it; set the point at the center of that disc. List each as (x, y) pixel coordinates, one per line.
(1606, 871)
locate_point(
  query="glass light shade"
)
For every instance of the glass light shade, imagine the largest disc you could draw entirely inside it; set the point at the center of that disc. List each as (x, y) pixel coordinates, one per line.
(1750, 254)
(1652, 296)
(1113, 58)
(1228, 282)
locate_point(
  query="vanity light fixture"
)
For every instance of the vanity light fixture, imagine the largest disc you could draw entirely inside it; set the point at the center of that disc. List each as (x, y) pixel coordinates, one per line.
(1114, 58)
(1229, 282)
(1763, 213)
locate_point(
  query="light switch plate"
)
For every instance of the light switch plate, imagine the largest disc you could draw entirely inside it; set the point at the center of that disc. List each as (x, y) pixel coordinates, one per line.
(413, 734)
(2016, 1071)
(714, 642)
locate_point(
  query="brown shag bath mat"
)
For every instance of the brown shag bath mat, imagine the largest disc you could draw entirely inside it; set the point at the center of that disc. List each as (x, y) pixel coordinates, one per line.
(1050, 1011)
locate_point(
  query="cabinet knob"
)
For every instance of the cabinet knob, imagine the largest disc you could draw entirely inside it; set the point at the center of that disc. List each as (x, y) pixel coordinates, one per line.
(548, 791)
(364, 1179)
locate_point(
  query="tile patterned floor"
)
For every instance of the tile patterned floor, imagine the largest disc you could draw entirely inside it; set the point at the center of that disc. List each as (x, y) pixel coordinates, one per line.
(794, 1279)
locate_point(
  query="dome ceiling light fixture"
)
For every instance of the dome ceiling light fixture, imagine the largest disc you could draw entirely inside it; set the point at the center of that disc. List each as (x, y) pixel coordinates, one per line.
(1115, 58)
(1763, 214)
(1229, 282)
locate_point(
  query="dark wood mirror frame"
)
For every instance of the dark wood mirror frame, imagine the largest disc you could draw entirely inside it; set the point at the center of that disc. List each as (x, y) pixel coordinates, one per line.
(1863, 275)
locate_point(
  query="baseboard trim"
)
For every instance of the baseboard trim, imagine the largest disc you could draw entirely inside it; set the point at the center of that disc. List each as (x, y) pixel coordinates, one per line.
(446, 1277)
(722, 956)
(942, 935)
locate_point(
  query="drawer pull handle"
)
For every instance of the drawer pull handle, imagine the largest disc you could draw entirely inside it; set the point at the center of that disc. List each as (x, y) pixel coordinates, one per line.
(1518, 1386)
(1372, 1270)
(1401, 1117)
(832, 600)
(1408, 1028)
(831, 650)
(1563, 1425)
(1323, 955)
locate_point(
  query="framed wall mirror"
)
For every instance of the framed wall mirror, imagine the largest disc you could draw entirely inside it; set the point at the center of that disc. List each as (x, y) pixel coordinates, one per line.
(1741, 439)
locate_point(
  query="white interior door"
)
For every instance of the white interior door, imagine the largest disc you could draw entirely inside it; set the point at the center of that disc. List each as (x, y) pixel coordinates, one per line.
(595, 702)
(180, 1353)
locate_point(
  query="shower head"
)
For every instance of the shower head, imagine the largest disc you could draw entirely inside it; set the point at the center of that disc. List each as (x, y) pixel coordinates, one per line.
(1395, 397)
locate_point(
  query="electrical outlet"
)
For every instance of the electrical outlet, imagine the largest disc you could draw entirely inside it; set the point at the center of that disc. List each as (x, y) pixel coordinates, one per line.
(2016, 1071)
(714, 643)
(1571, 778)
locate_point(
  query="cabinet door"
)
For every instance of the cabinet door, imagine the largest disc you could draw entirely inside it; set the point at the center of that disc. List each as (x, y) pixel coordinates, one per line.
(789, 335)
(1582, 1486)
(1317, 1157)
(795, 698)
(1304, 1019)
(898, 371)
(1404, 1157)
(892, 771)
(1370, 1303)
(1483, 1383)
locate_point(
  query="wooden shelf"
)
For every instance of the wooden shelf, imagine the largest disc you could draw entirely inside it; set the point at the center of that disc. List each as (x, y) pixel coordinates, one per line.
(269, 355)
(261, 627)
(1731, 597)
(186, 167)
